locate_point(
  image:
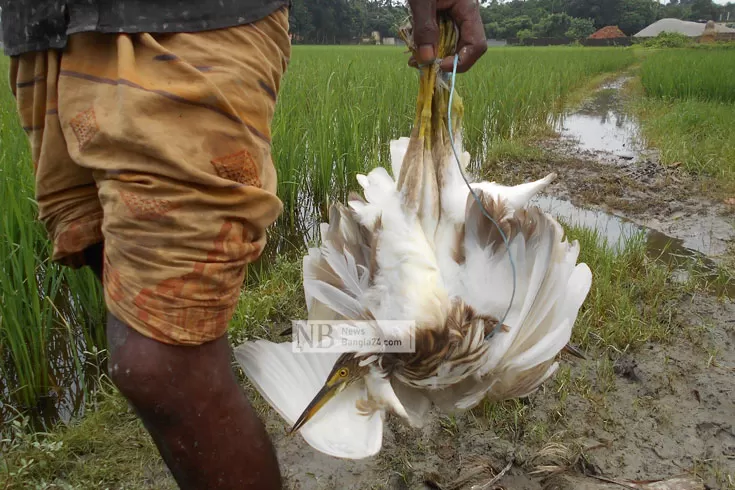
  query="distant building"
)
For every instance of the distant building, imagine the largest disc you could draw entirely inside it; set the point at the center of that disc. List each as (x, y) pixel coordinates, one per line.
(609, 32)
(496, 43)
(687, 28)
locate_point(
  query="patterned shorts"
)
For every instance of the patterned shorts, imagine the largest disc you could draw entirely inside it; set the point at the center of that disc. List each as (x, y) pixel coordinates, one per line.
(158, 145)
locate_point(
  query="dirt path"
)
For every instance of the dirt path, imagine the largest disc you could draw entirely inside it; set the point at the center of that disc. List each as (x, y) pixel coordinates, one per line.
(665, 411)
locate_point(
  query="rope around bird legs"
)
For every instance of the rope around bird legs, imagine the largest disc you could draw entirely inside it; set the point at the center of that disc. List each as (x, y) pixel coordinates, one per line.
(477, 199)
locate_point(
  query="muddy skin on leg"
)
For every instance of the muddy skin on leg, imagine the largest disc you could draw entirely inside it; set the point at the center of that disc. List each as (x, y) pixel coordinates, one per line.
(199, 417)
(191, 404)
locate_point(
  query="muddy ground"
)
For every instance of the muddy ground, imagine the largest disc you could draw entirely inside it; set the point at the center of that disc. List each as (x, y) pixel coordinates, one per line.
(664, 411)
(667, 411)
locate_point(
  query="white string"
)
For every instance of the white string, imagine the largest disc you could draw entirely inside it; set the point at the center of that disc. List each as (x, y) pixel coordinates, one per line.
(484, 211)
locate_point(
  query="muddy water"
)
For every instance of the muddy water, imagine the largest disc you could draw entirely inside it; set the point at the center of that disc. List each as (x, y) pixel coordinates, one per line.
(601, 125)
(602, 131)
(616, 230)
(72, 371)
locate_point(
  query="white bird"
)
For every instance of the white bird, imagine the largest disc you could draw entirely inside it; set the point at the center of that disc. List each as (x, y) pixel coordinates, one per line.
(418, 247)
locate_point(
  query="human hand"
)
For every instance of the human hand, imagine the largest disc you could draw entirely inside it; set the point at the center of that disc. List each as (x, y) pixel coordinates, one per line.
(472, 43)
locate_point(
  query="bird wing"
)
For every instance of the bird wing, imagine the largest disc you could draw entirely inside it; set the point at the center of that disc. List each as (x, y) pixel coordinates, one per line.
(473, 261)
(453, 195)
(337, 274)
(288, 381)
(371, 264)
(398, 150)
(550, 289)
(336, 277)
(408, 283)
(453, 188)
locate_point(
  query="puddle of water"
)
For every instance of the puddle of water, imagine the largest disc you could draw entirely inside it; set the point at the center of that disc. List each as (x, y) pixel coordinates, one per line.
(614, 229)
(705, 232)
(671, 251)
(602, 125)
(65, 389)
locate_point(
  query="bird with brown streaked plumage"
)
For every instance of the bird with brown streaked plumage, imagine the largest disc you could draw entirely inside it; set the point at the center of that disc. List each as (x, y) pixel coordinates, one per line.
(417, 247)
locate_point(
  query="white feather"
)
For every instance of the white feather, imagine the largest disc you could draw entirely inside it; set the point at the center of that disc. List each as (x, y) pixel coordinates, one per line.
(398, 149)
(289, 381)
(550, 290)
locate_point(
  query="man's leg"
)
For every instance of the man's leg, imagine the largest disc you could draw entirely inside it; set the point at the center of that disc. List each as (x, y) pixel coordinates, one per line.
(193, 407)
(176, 135)
(183, 215)
(191, 404)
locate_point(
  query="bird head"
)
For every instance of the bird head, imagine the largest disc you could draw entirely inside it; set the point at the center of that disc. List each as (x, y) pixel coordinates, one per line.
(346, 371)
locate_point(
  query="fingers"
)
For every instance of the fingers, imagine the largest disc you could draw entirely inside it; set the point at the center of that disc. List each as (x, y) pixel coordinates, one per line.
(425, 29)
(466, 14)
(472, 42)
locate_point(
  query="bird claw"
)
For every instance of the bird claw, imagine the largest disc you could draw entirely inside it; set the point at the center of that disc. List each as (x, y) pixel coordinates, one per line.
(367, 407)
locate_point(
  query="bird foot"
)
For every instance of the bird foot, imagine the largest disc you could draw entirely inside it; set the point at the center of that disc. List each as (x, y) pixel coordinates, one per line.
(367, 407)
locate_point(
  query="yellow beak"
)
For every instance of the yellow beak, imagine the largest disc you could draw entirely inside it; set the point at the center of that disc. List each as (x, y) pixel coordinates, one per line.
(325, 394)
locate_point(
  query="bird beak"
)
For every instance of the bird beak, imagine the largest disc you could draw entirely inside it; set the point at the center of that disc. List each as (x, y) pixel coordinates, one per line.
(573, 350)
(325, 394)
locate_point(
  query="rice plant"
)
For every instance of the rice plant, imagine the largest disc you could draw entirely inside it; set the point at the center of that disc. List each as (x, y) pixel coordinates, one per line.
(340, 106)
(689, 109)
(49, 317)
(693, 74)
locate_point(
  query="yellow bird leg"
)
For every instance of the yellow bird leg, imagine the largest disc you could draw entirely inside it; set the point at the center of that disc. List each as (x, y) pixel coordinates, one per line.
(426, 111)
(419, 99)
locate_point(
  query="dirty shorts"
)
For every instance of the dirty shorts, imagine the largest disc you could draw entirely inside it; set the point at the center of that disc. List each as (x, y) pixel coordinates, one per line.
(158, 144)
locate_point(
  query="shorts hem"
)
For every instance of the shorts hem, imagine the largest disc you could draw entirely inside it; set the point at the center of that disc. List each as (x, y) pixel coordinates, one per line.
(176, 335)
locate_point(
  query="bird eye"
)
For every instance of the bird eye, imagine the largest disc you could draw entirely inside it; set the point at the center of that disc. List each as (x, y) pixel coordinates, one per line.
(343, 372)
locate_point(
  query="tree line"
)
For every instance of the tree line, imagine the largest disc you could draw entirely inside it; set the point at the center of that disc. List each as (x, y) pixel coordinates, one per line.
(350, 21)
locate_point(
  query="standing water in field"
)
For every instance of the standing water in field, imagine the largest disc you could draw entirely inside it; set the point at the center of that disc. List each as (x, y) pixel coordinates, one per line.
(600, 130)
(602, 127)
(683, 256)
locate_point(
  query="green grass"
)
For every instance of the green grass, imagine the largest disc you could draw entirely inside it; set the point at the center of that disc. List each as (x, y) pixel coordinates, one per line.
(109, 447)
(270, 301)
(632, 300)
(688, 109)
(340, 106)
(695, 134)
(706, 75)
(47, 315)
